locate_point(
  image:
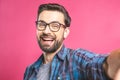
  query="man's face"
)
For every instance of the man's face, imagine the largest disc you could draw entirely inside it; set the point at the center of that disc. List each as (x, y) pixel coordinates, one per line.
(50, 41)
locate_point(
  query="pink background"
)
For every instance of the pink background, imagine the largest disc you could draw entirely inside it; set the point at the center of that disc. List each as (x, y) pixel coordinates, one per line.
(95, 26)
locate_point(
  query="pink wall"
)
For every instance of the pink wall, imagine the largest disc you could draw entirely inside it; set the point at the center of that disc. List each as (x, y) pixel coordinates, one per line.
(95, 26)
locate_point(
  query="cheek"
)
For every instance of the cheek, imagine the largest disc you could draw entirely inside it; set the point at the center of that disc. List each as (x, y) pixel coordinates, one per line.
(60, 36)
(38, 33)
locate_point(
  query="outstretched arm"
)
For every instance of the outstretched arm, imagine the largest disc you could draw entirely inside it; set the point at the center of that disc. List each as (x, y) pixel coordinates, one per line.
(112, 64)
(117, 77)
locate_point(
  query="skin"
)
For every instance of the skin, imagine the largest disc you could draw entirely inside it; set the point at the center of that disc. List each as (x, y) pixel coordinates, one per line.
(112, 63)
(117, 77)
(48, 42)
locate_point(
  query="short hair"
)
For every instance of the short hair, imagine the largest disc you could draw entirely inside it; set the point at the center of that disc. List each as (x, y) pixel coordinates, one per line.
(56, 7)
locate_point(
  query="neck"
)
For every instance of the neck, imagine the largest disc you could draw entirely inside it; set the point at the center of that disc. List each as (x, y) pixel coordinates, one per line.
(48, 57)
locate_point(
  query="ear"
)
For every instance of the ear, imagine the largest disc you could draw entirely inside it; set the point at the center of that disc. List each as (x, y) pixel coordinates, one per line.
(66, 32)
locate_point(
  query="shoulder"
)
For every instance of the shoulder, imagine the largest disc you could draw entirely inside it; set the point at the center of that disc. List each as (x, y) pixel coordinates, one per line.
(85, 55)
(33, 67)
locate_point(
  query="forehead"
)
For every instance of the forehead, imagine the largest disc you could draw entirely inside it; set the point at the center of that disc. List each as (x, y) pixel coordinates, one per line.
(50, 16)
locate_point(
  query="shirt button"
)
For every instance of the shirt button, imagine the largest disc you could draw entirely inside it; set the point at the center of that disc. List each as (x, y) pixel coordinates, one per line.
(58, 78)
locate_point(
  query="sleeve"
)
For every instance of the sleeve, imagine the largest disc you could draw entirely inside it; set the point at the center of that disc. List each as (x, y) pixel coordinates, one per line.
(95, 69)
(92, 65)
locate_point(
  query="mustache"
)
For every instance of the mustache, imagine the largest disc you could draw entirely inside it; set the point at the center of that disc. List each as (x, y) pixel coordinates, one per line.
(47, 36)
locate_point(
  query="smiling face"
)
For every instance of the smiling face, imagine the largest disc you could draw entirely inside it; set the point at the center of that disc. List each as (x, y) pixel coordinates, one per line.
(50, 41)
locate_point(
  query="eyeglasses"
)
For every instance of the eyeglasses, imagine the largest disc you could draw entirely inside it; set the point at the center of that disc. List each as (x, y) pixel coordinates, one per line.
(53, 26)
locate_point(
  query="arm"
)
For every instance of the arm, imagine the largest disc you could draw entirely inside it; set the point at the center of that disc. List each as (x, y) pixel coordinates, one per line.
(117, 77)
(112, 63)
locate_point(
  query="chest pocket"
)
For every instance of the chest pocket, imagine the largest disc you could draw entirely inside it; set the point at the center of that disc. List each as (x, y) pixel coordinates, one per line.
(74, 74)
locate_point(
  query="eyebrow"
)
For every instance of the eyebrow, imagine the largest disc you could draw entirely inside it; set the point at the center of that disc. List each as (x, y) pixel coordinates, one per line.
(50, 22)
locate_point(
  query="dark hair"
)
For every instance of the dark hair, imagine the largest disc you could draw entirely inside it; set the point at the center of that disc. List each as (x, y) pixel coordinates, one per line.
(56, 7)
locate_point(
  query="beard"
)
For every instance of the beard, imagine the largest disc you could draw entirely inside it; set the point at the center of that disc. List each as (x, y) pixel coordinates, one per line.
(54, 47)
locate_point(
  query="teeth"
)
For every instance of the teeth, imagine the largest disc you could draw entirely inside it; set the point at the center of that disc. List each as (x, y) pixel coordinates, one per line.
(47, 39)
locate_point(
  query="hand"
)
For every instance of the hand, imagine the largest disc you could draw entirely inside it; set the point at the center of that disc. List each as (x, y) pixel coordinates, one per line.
(113, 63)
(117, 77)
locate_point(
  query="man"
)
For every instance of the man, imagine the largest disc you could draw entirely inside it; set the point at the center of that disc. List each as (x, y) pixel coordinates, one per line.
(60, 63)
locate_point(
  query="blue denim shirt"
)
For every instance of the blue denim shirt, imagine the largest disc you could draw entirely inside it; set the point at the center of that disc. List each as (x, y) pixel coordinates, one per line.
(69, 64)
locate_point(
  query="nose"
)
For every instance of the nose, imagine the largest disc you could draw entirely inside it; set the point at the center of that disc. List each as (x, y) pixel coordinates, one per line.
(47, 30)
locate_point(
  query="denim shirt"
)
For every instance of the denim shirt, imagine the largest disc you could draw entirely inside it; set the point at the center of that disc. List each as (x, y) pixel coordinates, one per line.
(69, 64)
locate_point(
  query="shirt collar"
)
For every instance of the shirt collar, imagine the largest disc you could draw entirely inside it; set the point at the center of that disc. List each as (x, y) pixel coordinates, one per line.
(37, 64)
(62, 53)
